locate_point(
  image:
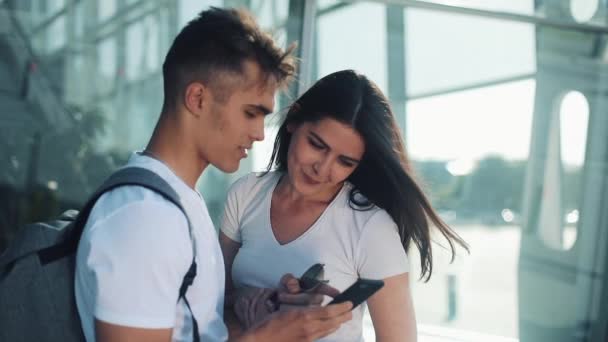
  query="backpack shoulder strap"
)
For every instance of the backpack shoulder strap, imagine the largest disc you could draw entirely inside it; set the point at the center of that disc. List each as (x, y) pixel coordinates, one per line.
(123, 177)
(132, 176)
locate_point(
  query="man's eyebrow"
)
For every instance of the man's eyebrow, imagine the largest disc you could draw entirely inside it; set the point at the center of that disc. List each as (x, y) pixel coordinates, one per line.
(261, 108)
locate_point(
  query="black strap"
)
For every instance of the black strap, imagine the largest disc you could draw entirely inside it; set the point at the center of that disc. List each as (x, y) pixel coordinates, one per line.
(127, 176)
(188, 279)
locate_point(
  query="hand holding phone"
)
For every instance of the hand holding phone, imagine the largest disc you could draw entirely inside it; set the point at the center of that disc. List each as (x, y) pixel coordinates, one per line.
(359, 292)
(312, 278)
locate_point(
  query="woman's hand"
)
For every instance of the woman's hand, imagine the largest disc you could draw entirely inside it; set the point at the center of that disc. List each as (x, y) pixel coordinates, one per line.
(290, 293)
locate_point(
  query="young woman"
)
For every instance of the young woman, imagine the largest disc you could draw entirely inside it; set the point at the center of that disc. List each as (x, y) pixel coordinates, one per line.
(342, 193)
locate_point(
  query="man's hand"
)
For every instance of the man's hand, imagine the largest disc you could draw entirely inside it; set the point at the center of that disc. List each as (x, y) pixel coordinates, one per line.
(304, 324)
(253, 305)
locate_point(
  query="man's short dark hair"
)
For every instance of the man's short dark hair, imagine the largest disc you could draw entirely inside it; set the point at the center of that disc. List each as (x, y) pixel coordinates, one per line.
(217, 42)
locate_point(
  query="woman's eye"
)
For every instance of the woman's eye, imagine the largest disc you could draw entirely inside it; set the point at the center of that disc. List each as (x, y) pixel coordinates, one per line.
(250, 115)
(315, 144)
(347, 163)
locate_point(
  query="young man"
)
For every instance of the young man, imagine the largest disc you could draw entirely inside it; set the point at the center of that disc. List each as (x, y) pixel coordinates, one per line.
(220, 78)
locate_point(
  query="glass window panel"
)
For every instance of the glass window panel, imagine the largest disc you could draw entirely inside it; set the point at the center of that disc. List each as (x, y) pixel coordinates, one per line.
(363, 48)
(151, 40)
(510, 6)
(56, 35)
(109, 139)
(107, 63)
(135, 51)
(106, 9)
(583, 10)
(143, 106)
(188, 9)
(565, 155)
(79, 19)
(269, 13)
(574, 118)
(476, 184)
(560, 11)
(446, 50)
(499, 111)
(75, 82)
(323, 4)
(54, 6)
(164, 37)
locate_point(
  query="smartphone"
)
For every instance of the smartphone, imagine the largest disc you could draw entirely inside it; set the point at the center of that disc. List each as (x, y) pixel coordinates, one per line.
(359, 292)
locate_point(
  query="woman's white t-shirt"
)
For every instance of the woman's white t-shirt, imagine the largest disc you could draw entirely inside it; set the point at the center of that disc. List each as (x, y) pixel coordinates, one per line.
(351, 243)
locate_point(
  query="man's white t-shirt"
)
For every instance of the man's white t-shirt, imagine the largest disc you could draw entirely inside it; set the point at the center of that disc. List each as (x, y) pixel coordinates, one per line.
(351, 243)
(134, 253)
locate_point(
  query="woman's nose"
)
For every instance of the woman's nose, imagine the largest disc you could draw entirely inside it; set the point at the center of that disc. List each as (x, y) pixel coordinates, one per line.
(322, 167)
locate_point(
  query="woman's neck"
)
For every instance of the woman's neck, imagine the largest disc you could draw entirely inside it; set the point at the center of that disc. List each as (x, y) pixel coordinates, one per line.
(285, 191)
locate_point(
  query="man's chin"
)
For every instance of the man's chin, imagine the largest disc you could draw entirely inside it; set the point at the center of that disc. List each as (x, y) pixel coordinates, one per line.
(228, 168)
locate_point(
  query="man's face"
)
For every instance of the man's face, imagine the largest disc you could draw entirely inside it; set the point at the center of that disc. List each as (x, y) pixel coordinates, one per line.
(237, 120)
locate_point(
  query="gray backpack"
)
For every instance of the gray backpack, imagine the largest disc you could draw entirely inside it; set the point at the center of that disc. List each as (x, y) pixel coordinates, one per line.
(37, 300)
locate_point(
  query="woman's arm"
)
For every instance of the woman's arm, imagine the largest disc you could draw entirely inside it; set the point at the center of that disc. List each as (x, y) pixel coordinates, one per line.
(392, 311)
(229, 250)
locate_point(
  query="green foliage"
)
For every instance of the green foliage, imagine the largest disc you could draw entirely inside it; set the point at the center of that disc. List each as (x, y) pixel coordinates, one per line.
(495, 184)
(45, 171)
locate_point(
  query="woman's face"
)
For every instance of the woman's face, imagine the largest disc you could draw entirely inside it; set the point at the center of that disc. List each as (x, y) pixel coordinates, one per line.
(322, 155)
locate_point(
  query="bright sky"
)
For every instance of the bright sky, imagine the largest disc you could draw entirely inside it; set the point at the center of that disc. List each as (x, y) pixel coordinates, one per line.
(472, 124)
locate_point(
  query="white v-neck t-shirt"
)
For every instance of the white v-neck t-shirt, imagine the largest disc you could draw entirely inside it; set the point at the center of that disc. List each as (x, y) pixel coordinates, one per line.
(351, 243)
(134, 253)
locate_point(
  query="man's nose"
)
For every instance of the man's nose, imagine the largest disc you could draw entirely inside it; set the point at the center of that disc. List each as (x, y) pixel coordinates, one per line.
(258, 132)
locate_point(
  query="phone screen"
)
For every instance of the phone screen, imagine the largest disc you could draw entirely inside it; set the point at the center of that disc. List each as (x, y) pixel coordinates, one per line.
(359, 292)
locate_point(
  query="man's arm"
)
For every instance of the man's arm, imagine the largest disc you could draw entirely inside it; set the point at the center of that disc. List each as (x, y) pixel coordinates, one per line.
(106, 332)
(297, 325)
(229, 250)
(136, 292)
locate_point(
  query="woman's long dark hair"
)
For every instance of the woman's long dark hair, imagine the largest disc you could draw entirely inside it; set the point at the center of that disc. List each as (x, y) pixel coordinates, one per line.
(384, 176)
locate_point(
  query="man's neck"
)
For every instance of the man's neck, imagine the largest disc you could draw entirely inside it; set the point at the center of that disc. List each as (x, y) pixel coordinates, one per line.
(176, 151)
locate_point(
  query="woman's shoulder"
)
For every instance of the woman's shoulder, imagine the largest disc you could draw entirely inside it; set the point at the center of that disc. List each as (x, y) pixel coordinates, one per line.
(356, 208)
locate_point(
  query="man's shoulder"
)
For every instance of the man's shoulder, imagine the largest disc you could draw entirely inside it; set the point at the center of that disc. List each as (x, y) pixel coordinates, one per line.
(134, 205)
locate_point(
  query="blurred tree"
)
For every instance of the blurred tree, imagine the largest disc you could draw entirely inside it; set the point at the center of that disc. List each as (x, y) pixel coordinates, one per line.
(495, 184)
(55, 171)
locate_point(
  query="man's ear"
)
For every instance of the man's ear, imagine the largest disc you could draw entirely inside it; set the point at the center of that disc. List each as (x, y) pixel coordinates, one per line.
(195, 98)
